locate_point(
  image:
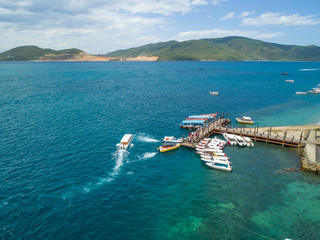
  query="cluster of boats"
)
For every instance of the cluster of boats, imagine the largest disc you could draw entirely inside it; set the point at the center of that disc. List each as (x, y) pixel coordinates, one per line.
(240, 141)
(313, 91)
(169, 143)
(212, 154)
(195, 121)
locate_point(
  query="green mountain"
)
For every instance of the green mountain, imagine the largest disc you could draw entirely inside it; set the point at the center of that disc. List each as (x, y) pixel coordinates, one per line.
(222, 49)
(29, 53)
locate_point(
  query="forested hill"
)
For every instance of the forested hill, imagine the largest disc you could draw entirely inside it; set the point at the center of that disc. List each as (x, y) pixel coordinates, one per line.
(222, 49)
(33, 53)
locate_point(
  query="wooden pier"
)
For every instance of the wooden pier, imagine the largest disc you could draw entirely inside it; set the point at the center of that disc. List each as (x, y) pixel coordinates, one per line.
(222, 125)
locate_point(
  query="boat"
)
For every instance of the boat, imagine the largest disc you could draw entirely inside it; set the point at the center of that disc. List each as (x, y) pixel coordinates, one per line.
(240, 141)
(125, 141)
(220, 154)
(192, 123)
(315, 90)
(212, 150)
(215, 139)
(284, 73)
(206, 157)
(166, 148)
(220, 165)
(301, 93)
(245, 120)
(214, 93)
(215, 145)
(230, 139)
(170, 140)
(249, 142)
(289, 80)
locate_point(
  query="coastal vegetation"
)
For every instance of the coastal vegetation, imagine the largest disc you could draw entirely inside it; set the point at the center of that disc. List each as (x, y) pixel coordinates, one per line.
(222, 49)
(34, 53)
(214, 49)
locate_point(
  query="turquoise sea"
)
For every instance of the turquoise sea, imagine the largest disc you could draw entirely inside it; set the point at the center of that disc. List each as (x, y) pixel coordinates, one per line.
(63, 178)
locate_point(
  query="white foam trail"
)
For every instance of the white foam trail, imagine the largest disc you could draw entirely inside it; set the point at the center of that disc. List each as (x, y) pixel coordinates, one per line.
(142, 137)
(309, 69)
(119, 155)
(147, 155)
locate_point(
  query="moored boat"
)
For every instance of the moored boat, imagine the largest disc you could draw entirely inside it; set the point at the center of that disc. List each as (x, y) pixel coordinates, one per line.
(170, 140)
(125, 141)
(166, 148)
(230, 139)
(249, 142)
(220, 165)
(289, 80)
(240, 141)
(245, 120)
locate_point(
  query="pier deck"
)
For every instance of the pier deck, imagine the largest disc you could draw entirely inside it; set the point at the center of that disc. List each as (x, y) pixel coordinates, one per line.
(221, 125)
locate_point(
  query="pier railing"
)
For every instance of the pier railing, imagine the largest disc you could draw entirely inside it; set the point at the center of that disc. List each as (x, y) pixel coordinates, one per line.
(222, 124)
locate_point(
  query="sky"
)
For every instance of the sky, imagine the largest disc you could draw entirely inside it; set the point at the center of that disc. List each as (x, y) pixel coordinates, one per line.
(102, 26)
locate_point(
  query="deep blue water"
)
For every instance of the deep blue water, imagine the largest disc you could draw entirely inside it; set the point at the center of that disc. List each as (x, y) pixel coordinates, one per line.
(63, 178)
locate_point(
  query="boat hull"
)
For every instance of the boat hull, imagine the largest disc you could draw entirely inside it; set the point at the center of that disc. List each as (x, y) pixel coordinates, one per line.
(168, 148)
(214, 166)
(245, 122)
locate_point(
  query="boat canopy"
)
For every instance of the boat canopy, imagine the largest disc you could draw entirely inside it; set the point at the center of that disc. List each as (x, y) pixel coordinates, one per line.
(246, 118)
(192, 119)
(126, 138)
(200, 116)
(193, 122)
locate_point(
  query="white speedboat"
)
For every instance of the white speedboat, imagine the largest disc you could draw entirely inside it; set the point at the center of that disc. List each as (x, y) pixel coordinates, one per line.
(230, 139)
(125, 141)
(212, 159)
(216, 145)
(301, 93)
(170, 140)
(240, 141)
(214, 93)
(205, 157)
(289, 80)
(210, 150)
(220, 165)
(215, 139)
(220, 154)
(245, 120)
(249, 142)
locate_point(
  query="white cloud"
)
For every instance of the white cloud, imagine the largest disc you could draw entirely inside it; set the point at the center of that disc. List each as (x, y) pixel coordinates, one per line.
(218, 2)
(280, 19)
(214, 33)
(230, 15)
(244, 14)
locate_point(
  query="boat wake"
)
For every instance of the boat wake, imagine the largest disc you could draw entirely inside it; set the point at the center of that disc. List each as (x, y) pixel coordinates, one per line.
(119, 156)
(147, 155)
(142, 137)
(309, 69)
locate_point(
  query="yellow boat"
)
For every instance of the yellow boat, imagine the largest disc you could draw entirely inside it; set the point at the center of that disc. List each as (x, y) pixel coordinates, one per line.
(168, 147)
(245, 120)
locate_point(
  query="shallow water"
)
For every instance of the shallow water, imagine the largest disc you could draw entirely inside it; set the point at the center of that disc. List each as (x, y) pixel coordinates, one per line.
(63, 178)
